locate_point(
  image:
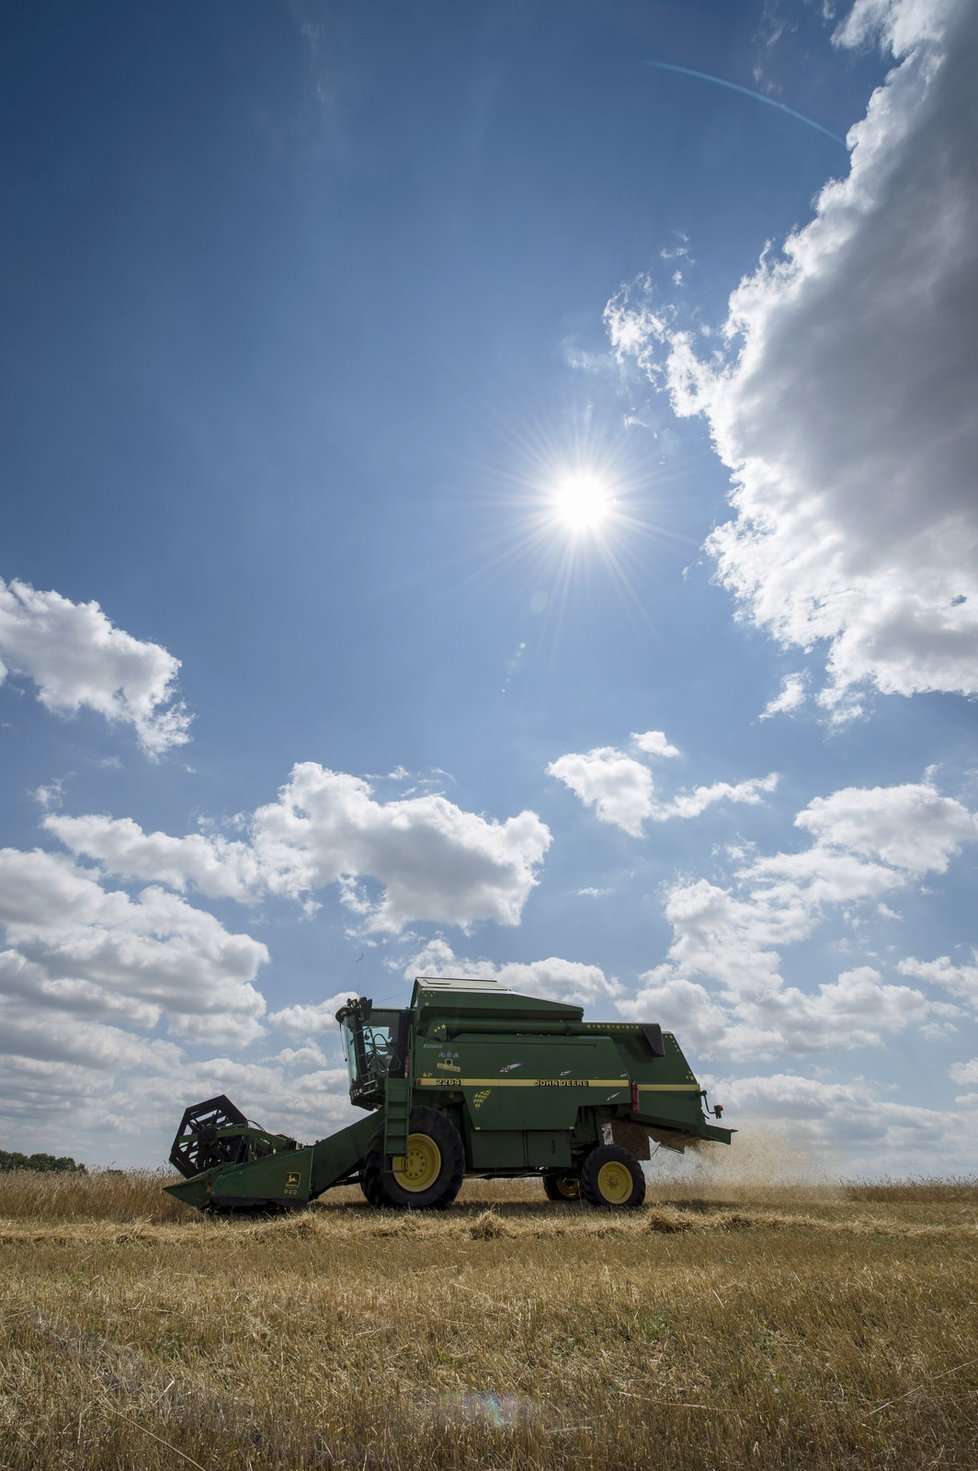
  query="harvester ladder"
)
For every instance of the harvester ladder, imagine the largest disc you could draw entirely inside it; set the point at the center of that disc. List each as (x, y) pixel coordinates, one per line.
(397, 1116)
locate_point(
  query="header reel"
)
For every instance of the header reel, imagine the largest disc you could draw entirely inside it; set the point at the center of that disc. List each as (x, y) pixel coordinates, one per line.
(216, 1133)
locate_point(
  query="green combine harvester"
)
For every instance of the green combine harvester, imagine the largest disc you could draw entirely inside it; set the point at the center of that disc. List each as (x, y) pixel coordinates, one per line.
(470, 1079)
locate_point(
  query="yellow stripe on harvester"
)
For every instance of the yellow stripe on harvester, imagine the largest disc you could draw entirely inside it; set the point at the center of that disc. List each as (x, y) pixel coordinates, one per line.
(448, 1081)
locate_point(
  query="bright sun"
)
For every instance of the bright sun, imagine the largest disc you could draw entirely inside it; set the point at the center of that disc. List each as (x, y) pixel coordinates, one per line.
(582, 501)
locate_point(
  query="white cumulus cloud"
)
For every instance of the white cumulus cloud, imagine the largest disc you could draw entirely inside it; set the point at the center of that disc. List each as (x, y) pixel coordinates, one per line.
(855, 1119)
(434, 860)
(654, 743)
(431, 859)
(106, 997)
(572, 981)
(961, 981)
(78, 949)
(309, 1017)
(695, 802)
(621, 790)
(220, 867)
(618, 788)
(843, 398)
(722, 982)
(911, 827)
(78, 659)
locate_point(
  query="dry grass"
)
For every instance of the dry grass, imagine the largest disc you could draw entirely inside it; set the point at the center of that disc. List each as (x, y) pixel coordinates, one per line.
(731, 1327)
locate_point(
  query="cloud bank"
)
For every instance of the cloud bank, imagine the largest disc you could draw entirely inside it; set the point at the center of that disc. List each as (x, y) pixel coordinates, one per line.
(102, 989)
(843, 398)
(721, 984)
(410, 859)
(78, 952)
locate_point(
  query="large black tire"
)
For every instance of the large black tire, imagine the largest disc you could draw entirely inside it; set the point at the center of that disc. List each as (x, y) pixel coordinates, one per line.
(372, 1176)
(612, 1179)
(432, 1171)
(372, 1173)
(563, 1189)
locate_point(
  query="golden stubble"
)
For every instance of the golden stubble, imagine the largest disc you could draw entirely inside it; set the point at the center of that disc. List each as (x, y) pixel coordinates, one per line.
(725, 1324)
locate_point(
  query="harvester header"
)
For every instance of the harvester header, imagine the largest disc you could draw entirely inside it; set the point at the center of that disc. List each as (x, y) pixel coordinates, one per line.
(469, 1079)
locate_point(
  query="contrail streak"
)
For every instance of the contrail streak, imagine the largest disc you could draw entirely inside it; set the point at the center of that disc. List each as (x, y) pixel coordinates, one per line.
(687, 71)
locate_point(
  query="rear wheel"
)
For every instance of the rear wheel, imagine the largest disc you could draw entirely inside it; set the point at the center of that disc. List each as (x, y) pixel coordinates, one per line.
(562, 1188)
(612, 1178)
(428, 1176)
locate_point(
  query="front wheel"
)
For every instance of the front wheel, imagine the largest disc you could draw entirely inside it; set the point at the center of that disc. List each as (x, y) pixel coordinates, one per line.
(429, 1175)
(562, 1188)
(372, 1175)
(612, 1178)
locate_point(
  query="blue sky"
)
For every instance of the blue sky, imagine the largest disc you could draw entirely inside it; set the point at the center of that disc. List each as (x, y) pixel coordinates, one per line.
(325, 327)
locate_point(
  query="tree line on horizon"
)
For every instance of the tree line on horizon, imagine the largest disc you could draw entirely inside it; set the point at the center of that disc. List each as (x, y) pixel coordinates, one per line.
(10, 1159)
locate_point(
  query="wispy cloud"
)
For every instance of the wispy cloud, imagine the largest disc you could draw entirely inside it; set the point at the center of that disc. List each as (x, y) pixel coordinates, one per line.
(800, 117)
(790, 697)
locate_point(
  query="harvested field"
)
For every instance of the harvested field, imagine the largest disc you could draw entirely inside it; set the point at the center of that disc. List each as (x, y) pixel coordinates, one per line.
(751, 1326)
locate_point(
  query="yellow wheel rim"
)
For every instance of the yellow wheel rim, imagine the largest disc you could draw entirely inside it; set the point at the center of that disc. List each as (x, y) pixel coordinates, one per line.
(615, 1182)
(420, 1167)
(569, 1189)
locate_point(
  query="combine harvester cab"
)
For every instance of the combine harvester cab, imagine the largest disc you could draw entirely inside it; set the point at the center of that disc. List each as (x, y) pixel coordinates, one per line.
(470, 1079)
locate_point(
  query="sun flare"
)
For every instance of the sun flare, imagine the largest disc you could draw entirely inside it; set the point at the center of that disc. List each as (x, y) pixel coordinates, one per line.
(582, 501)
